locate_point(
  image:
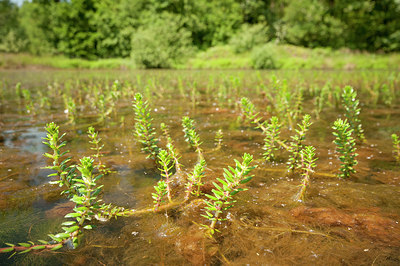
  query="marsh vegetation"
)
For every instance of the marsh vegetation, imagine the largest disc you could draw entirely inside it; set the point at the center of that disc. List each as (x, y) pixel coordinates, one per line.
(218, 167)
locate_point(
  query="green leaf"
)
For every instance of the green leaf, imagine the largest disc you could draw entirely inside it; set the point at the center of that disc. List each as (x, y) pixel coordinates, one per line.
(244, 181)
(57, 247)
(68, 223)
(72, 229)
(25, 251)
(62, 236)
(72, 215)
(7, 250)
(88, 227)
(38, 247)
(24, 245)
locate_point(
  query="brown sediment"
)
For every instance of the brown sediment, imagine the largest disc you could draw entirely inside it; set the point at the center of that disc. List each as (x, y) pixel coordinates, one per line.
(60, 210)
(365, 222)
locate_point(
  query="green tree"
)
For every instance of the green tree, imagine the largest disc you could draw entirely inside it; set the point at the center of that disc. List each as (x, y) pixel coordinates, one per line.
(308, 23)
(161, 43)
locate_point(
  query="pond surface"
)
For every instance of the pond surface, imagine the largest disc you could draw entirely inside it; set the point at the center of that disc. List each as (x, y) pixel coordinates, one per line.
(353, 221)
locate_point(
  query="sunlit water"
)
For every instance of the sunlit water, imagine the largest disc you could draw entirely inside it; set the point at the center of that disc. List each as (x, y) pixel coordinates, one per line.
(354, 221)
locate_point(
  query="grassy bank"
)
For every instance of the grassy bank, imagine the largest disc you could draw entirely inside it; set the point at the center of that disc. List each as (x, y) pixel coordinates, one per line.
(223, 57)
(25, 60)
(294, 57)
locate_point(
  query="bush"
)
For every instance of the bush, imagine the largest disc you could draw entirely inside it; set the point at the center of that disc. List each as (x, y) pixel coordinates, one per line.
(263, 57)
(162, 43)
(12, 43)
(248, 37)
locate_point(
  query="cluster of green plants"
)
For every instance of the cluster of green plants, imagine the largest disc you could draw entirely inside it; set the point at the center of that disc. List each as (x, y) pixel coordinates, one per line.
(285, 133)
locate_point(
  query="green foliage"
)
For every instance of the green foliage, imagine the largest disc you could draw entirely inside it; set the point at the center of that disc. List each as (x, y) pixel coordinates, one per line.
(12, 43)
(63, 171)
(191, 135)
(173, 152)
(219, 137)
(161, 43)
(161, 34)
(222, 198)
(396, 147)
(297, 143)
(271, 140)
(270, 130)
(263, 57)
(194, 180)
(351, 105)
(164, 160)
(144, 131)
(307, 157)
(97, 147)
(248, 37)
(161, 191)
(345, 146)
(249, 111)
(308, 23)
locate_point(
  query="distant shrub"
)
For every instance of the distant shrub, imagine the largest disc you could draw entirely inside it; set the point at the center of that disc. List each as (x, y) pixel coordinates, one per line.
(248, 37)
(11, 43)
(161, 43)
(263, 57)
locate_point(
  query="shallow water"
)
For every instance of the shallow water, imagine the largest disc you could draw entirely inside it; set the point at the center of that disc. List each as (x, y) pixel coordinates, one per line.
(354, 221)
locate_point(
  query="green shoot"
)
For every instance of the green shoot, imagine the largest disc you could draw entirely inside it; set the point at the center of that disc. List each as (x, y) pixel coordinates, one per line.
(297, 143)
(70, 108)
(222, 197)
(161, 191)
(271, 140)
(308, 160)
(171, 148)
(191, 135)
(218, 139)
(270, 130)
(351, 105)
(164, 159)
(86, 202)
(144, 130)
(345, 146)
(194, 180)
(64, 172)
(95, 141)
(396, 147)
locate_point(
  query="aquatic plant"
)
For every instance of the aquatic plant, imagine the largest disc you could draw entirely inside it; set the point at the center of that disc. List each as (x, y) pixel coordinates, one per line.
(307, 158)
(97, 147)
(171, 148)
(63, 170)
(345, 146)
(164, 159)
(26, 94)
(70, 107)
(321, 98)
(271, 140)
(297, 143)
(144, 130)
(191, 135)
(219, 135)
(352, 111)
(396, 147)
(86, 202)
(161, 191)
(270, 130)
(222, 194)
(194, 180)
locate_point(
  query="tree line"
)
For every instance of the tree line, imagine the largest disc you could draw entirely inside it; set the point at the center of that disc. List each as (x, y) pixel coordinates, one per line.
(162, 30)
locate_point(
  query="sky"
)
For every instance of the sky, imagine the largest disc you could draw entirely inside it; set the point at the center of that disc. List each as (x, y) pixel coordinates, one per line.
(18, 2)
